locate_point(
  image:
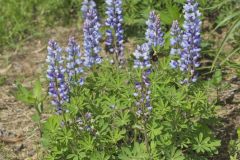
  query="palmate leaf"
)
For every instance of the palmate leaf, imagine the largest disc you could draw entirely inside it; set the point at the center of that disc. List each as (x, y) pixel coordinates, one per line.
(175, 154)
(24, 95)
(154, 130)
(122, 119)
(205, 144)
(99, 156)
(116, 135)
(87, 144)
(138, 152)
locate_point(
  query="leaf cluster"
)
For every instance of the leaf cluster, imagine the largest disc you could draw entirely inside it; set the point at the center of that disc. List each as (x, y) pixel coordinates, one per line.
(177, 128)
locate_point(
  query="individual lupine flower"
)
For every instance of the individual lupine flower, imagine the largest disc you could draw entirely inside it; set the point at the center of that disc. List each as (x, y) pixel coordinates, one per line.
(86, 5)
(175, 42)
(141, 56)
(58, 89)
(154, 34)
(74, 61)
(114, 36)
(92, 37)
(191, 40)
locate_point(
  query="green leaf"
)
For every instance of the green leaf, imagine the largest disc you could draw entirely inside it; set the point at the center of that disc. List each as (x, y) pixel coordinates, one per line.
(205, 144)
(122, 119)
(175, 154)
(24, 95)
(138, 152)
(217, 77)
(87, 143)
(37, 90)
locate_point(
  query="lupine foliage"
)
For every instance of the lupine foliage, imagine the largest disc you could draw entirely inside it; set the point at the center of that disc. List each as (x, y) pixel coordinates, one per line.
(140, 110)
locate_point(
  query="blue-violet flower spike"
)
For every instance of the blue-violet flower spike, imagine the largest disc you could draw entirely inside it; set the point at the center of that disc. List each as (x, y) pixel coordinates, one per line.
(175, 43)
(74, 60)
(114, 35)
(154, 34)
(92, 37)
(58, 88)
(142, 57)
(86, 5)
(191, 40)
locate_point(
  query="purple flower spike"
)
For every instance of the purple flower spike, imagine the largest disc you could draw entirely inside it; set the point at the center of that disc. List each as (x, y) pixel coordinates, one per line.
(86, 5)
(154, 34)
(92, 37)
(175, 42)
(142, 95)
(142, 57)
(74, 60)
(114, 35)
(58, 89)
(190, 54)
(142, 89)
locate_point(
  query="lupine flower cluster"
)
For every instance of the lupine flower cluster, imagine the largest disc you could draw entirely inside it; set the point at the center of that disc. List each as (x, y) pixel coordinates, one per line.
(74, 61)
(114, 35)
(58, 88)
(142, 56)
(92, 37)
(154, 34)
(175, 42)
(190, 54)
(185, 46)
(86, 5)
(143, 95)
(142, 61)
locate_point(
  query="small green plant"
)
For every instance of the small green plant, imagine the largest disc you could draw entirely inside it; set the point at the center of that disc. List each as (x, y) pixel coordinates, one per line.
(234, 147)
(33, 98)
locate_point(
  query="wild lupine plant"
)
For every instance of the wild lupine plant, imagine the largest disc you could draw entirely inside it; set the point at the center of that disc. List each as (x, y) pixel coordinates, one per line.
(139, 111)
(191, 40)
(114, 33)
(58, 88)
(92, 38)
(154, 34)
